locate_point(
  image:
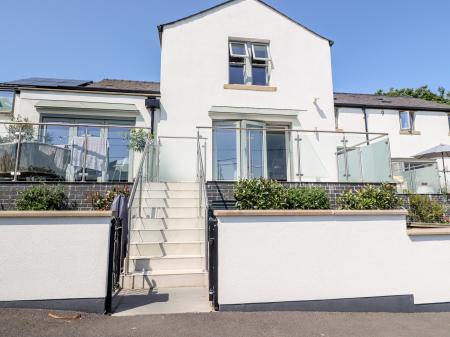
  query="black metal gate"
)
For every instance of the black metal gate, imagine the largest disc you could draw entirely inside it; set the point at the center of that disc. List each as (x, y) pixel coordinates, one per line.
(115, 262)
(213, 259)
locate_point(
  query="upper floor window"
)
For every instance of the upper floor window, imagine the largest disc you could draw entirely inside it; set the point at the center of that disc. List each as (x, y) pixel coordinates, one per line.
(249, 63)
(406, 120)
(6, 101)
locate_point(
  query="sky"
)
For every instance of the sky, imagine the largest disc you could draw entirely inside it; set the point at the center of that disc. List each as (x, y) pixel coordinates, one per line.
(378, 44)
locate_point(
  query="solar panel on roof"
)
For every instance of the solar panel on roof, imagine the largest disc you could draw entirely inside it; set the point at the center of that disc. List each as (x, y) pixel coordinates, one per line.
(50, 82)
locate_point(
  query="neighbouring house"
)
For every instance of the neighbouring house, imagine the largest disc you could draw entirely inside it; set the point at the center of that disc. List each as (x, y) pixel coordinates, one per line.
(413, 125)
(68, 118)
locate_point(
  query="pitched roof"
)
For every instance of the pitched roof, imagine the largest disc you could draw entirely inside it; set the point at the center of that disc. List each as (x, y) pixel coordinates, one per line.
(223, 4)
(126, 85)
(105, 85)
(387, 102)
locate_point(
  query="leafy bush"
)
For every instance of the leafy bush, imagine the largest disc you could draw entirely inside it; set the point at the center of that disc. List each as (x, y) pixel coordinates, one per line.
(138, 139)
(103, 202)
(260, 194)
(424, 209)
(370, 197)
(307, 198)
(268, 194)
(42, 198)
(14, 129)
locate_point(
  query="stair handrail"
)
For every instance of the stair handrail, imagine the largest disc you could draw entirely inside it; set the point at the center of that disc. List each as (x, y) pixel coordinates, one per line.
(136, 182)
(201, 175)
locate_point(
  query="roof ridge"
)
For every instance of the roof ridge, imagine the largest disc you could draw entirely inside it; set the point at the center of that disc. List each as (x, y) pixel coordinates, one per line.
(123, 80)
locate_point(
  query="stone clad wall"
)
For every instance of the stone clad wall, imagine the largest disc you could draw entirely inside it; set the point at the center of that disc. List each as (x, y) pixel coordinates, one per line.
(77, 193)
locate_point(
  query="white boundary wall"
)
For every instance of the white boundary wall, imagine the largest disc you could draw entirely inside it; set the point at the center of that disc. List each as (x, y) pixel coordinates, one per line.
(302, 256)
(53, 255)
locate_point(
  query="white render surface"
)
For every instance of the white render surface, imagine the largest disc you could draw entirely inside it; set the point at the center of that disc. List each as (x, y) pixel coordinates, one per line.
(194, 70)
(46, 258)
(301, 258)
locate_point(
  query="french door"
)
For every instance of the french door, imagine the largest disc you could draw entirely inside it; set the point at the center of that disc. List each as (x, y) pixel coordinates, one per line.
(249, 149)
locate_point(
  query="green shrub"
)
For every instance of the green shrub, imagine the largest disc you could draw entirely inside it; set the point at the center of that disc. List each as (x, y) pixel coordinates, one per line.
(103, 202)
(138, 138)
(269, 194)
(423, 209)
(307, 198)
(260, 194)
(42, 198)
(370, 197)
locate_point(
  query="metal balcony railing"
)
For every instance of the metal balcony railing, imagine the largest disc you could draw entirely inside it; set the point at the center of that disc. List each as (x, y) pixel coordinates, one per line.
(70, 152)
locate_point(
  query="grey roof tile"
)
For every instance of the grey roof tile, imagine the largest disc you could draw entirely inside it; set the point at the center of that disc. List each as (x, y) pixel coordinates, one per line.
(387, 102)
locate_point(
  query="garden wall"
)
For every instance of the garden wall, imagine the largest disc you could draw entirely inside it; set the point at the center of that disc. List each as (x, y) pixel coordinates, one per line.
(77, 193)
(54, 259)
(330, 261)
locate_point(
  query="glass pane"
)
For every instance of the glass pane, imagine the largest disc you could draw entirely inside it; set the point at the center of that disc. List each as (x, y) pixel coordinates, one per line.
(96, 156)
(225, 153)
(375, 161)
(118, 154)
(259, 76)
(6, 101)
(237, 74)
(260, 51)
(56, 135)
(276, 155)
(255, 159)
(238, 49)
(405, 122)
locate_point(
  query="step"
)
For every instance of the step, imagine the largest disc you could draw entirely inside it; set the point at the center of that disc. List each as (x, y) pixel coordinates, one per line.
(177, 223)
(169, 194)
(166, 212)
(168, 279)
(172, 262)
(167, 248)
(171, 186)
(164, 235)
(168, 202)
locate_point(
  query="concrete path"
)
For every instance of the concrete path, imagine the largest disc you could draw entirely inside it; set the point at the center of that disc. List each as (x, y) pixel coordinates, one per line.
(31, 323)
(163, 301)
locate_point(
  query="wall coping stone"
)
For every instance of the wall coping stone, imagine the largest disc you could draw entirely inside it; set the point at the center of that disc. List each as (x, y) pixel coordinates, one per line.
(56, 214)
(428, 231)
(326, 212)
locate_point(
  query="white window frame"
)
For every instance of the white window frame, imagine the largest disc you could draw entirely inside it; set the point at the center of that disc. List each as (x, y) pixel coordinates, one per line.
(267, 59)
(240, 43)
(411, 118)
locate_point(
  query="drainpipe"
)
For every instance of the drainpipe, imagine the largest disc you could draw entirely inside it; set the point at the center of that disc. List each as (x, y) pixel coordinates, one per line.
(366, 125)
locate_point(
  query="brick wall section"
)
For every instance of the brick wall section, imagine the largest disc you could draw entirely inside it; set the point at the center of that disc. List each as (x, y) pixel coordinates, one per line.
(77, 193)
(221, 196)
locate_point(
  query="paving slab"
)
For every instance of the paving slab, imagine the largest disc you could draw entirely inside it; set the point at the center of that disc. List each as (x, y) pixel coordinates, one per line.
(162, 301)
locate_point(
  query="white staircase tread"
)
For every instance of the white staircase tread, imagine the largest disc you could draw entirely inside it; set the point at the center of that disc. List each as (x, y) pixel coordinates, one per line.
(166, 257)
(167, 229)
(164, 242)
(170, 272)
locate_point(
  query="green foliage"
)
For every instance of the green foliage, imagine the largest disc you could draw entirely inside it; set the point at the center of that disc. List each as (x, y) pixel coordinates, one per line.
(42, 198)
(422, 92)
(268, 194)
(307, 198)
(138, 139)
(260, 194)
(103, 202)
(13, 130)
(370, 197)
(424, 209)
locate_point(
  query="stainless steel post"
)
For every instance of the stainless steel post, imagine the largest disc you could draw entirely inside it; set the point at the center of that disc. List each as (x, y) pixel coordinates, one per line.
(85, 147)
(16, 165)
(299, 161)
(346, 171)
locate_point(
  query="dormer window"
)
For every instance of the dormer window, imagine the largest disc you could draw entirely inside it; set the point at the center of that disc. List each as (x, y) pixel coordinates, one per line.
(249, 63)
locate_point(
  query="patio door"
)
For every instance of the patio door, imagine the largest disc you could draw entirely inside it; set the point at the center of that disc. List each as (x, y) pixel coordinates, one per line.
(254, 159)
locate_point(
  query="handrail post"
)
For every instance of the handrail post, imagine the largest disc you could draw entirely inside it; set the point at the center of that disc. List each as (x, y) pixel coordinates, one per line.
(16, 165)
(346, 170)
(85, 148)
(299, 161)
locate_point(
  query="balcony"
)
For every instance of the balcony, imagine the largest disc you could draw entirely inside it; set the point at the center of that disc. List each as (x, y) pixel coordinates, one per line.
(70, 152)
